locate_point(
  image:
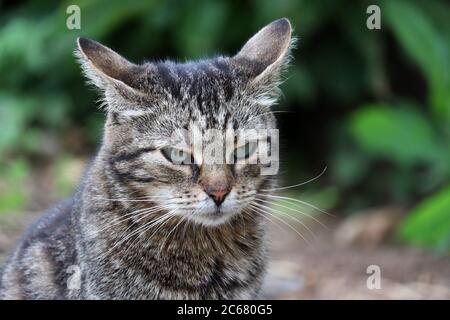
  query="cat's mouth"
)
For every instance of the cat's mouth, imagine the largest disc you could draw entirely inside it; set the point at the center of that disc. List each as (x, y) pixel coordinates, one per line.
(214, 219)
(212, 214)
(218, 211)
(199, 207)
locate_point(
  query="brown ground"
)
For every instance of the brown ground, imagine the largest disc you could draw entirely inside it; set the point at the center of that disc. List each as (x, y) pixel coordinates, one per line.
(332, 266)
(328, 270)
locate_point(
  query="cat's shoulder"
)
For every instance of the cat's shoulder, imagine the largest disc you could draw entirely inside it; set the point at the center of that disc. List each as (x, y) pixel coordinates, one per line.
(52, 223)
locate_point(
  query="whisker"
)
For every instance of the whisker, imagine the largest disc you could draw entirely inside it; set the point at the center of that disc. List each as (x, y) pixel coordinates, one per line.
(298, 184)
(300, 201)
(282, 221)
(128, 236)
(138, 199)
(294, 210)
(130, 215)
(173, 229)
(287, 215)
(262, 215)
(161, 220)
(148, 224)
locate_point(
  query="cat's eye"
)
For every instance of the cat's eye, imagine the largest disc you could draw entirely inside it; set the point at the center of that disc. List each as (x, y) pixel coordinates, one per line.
(177, 156)
(245, 151)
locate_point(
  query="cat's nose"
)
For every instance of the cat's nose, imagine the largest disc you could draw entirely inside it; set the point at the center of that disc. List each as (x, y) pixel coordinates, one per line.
(218, 195)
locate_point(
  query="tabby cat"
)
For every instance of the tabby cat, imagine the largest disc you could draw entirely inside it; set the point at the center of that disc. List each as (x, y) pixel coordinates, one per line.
(142, 225)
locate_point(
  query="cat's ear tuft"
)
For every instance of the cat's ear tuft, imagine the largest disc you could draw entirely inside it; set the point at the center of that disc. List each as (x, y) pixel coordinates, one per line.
(267, 52)
(106, 68)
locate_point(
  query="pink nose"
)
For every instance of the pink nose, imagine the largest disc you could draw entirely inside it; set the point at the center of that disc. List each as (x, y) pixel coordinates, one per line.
(218, 196)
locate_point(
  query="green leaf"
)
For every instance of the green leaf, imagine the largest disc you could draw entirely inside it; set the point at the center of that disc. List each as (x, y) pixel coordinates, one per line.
(402, 135)
(429, 223)
(423, 43)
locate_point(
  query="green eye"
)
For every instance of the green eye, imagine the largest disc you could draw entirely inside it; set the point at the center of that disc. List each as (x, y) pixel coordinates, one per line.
(245, 151)
(177, 156)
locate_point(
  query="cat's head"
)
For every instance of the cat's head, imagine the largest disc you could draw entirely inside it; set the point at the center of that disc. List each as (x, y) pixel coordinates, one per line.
(190, 136)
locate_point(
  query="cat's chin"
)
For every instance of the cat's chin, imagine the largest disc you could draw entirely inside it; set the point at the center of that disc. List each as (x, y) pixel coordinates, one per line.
(214, 216)
(213, 219)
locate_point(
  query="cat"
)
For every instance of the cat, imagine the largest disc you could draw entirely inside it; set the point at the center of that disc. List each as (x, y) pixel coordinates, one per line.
(142, 225)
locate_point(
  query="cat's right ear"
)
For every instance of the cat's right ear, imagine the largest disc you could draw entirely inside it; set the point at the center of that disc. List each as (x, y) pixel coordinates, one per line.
(108, 70)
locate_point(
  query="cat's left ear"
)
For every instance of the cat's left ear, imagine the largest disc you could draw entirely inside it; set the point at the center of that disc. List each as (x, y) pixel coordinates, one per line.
(266, 54)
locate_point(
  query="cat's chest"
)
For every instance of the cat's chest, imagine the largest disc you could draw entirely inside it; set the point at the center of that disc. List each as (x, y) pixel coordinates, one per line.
(185, 275)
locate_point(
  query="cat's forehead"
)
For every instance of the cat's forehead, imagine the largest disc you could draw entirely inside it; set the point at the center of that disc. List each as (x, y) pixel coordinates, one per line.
(208, 81)
(204, 116)
(207, 92)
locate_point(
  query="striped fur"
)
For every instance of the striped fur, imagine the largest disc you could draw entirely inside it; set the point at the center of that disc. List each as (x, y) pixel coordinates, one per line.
(200, 251)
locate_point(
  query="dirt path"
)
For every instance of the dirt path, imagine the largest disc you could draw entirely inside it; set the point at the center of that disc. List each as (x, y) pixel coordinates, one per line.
(326, 270)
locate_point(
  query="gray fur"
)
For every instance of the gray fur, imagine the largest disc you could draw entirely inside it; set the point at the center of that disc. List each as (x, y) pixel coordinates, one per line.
(188, 256)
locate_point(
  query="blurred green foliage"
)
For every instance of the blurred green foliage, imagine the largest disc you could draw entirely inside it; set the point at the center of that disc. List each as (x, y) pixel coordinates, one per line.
(374, 105)
(428, 224)
(12, 192)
